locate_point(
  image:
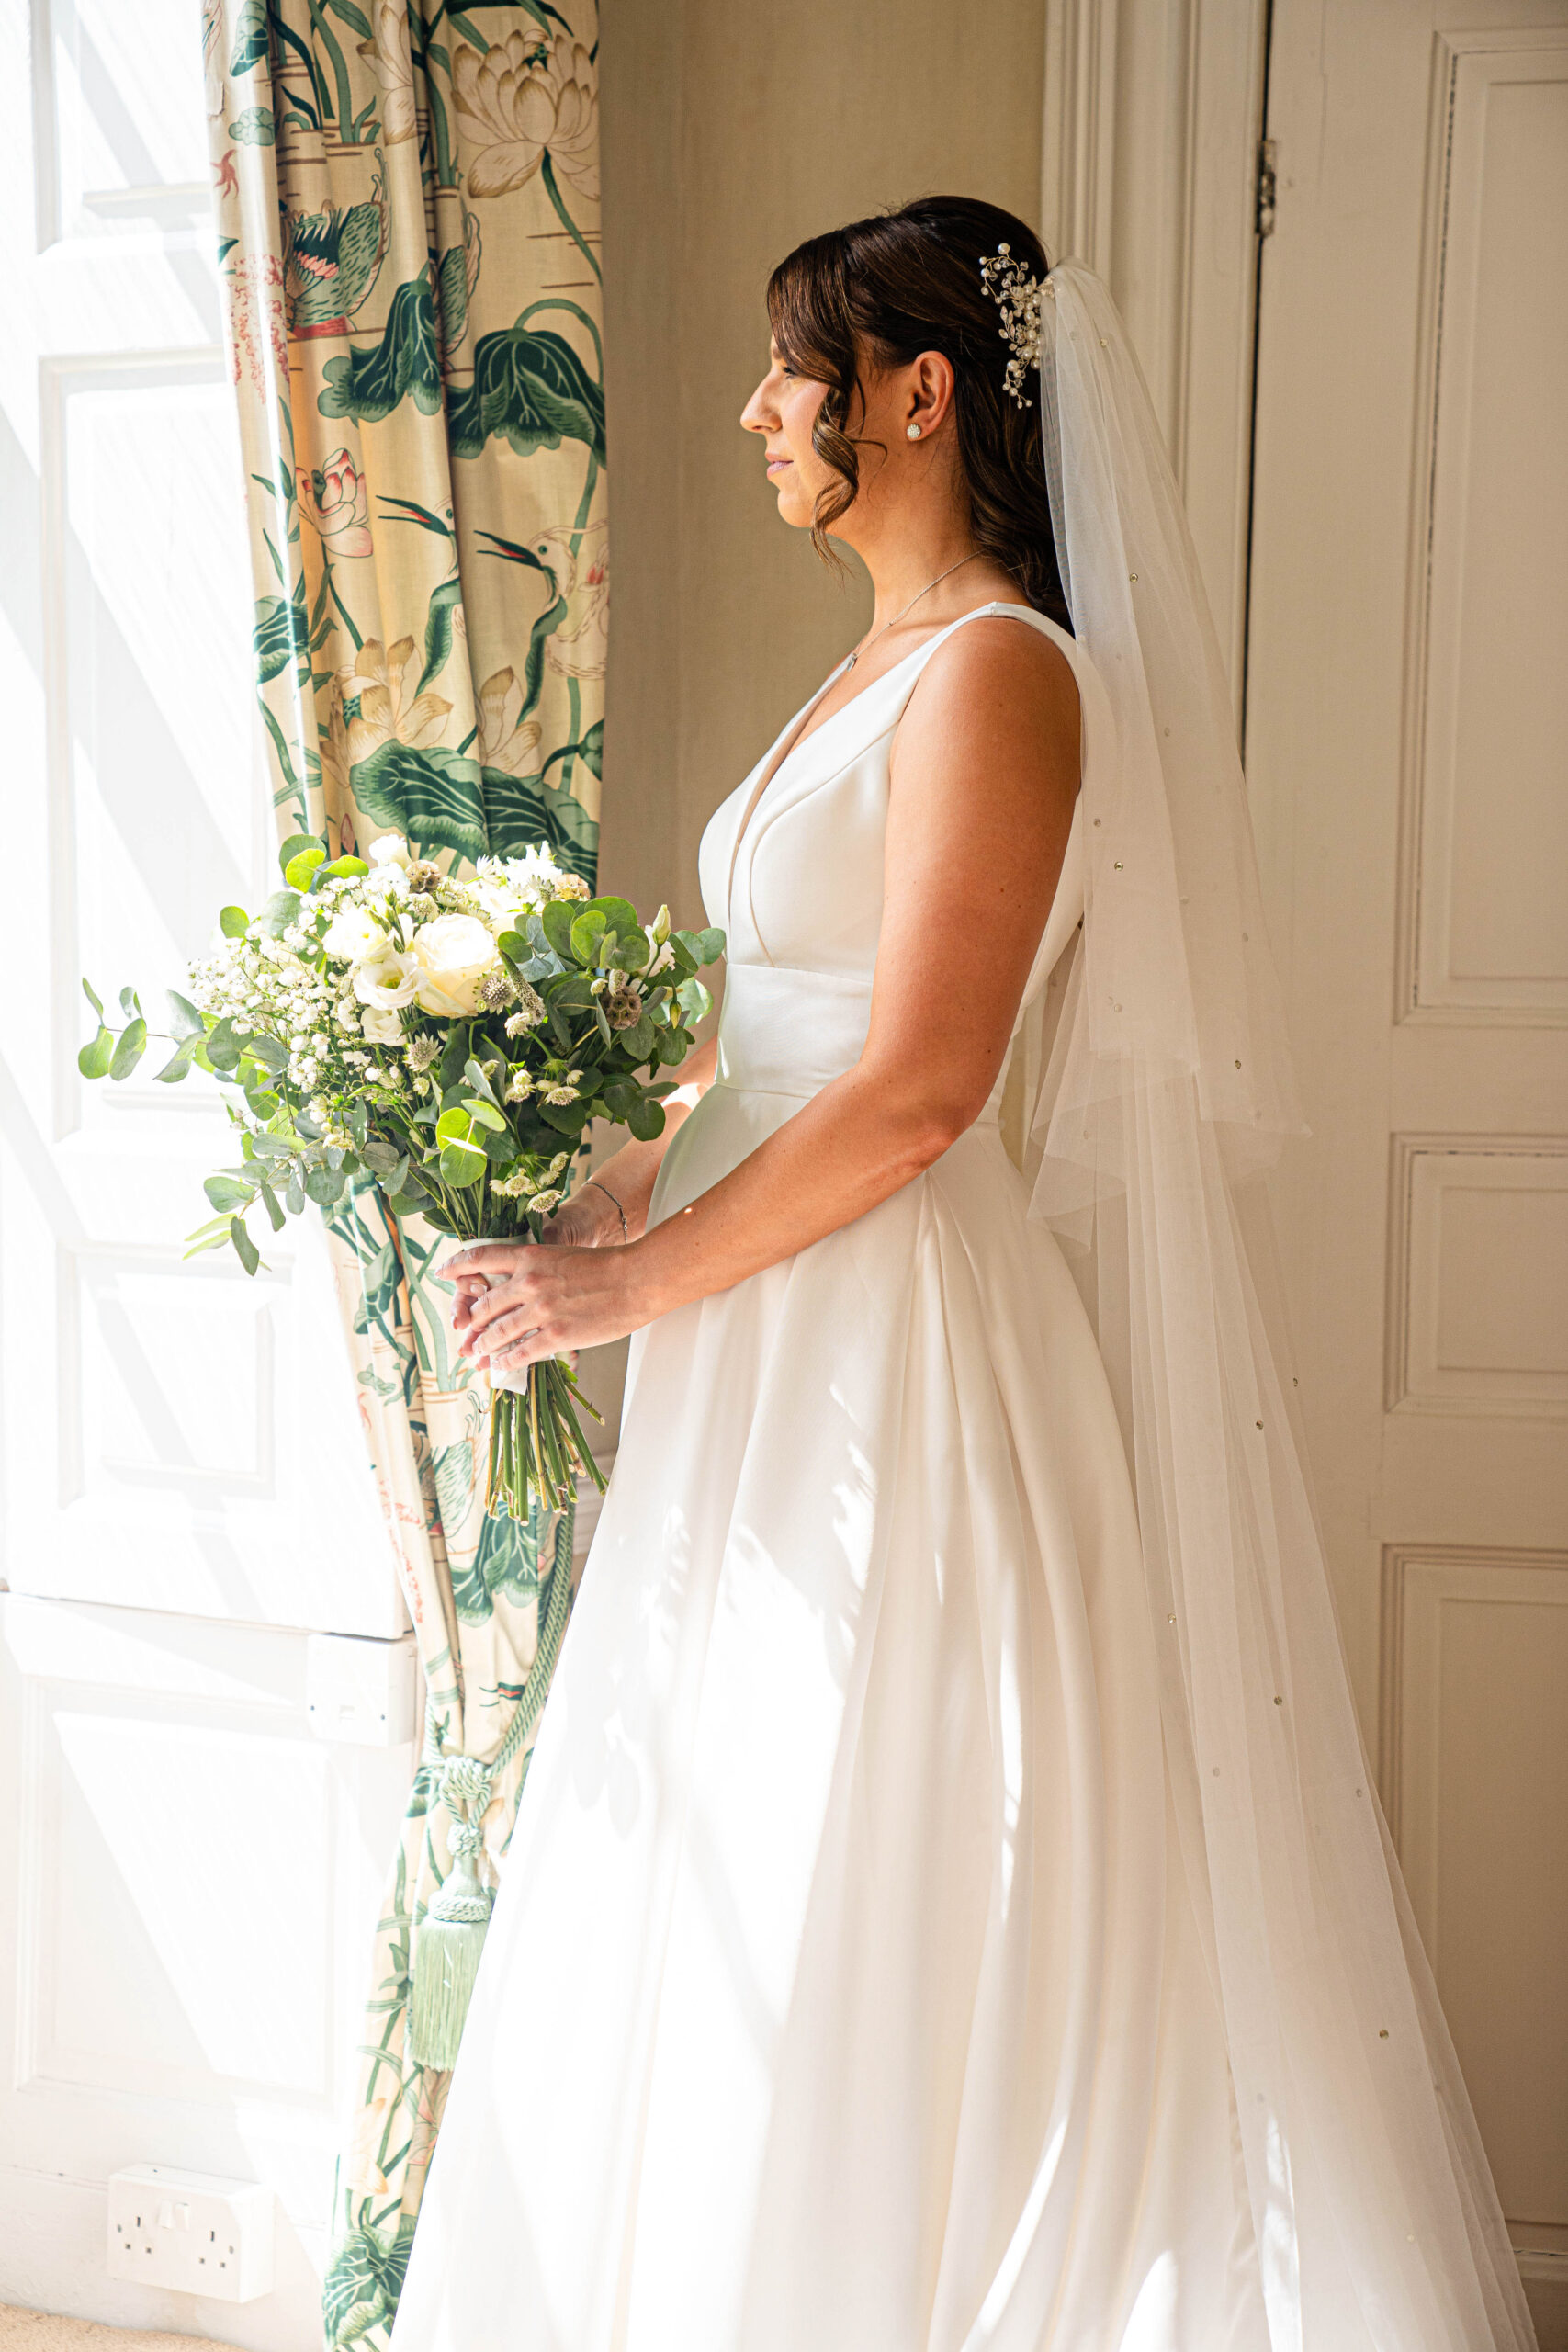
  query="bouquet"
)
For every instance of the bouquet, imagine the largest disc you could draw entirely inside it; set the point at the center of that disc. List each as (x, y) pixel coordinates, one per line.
(449, 1038)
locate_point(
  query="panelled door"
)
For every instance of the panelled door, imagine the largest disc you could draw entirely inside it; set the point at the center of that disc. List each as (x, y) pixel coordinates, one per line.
(1407, 750)
(192, 1545)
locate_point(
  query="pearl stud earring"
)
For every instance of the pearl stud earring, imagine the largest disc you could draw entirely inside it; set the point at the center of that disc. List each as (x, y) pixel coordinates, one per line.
(912, 432)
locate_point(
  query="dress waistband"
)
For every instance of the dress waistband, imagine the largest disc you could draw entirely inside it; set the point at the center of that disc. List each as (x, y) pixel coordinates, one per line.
(784, 1030)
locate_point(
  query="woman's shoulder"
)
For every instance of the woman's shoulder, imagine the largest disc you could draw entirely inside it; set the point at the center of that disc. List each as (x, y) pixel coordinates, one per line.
(1005, 661)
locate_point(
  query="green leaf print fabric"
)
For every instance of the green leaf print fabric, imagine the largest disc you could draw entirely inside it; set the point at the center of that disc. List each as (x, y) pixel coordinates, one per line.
(408, 212)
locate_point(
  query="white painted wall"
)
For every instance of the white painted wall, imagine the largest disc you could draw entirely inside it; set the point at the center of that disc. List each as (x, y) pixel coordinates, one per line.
(188, 1876)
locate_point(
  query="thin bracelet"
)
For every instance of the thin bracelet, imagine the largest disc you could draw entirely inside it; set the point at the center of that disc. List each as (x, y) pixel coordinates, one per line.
(614, 1204)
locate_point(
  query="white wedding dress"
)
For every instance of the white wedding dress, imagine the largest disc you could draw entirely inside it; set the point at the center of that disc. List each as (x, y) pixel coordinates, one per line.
(843, 1991)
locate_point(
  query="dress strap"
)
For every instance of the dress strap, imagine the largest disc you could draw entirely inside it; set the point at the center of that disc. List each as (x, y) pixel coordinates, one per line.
(1077, 658)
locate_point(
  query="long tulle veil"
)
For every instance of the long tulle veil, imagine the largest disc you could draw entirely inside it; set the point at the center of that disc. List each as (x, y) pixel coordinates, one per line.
(1165, 1087)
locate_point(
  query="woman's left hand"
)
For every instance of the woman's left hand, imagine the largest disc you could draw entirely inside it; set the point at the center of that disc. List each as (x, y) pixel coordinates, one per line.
(541, 1302)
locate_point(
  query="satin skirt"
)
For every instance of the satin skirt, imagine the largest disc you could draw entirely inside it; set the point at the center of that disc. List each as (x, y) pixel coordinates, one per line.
(844, 1991)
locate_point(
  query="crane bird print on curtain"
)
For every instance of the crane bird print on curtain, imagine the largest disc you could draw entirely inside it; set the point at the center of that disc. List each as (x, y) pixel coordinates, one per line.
(407, 208)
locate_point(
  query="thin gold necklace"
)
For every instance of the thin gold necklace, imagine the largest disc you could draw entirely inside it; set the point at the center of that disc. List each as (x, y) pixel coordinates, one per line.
(911, 606)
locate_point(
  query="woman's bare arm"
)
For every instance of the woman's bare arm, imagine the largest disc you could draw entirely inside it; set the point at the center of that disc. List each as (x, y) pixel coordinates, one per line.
(981, 804)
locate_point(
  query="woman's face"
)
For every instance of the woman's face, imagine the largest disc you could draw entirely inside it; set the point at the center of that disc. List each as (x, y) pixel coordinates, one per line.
(783, 409)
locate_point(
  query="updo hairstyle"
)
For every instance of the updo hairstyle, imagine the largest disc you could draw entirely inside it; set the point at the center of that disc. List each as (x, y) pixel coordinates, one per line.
(875, 294)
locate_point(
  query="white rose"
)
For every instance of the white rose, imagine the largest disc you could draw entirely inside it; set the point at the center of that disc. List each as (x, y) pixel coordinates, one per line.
(386, 979)
(352, 934)
(383, 1027)
(453, 954)
(391, 850)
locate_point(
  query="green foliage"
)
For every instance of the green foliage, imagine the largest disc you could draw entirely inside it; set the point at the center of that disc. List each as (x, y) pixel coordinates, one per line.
(249, 37)
(529, 386)
(282, 634)
(433, 795)
(255, 127)
(405, 361)
(520, 812)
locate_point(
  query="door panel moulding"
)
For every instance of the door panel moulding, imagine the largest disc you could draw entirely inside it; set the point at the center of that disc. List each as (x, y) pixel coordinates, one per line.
(1149, 173)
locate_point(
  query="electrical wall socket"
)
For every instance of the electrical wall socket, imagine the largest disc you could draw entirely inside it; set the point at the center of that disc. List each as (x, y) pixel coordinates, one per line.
(360, 1689)
(191, 2230)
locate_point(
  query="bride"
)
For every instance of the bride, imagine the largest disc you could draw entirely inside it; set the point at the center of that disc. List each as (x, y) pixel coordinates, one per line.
(949, 1907)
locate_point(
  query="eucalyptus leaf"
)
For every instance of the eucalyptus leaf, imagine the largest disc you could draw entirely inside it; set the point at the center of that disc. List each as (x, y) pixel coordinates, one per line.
(227, 1193)
(587, 933)
(93, 999)
(95, 1057)
(296, 846)
(474, 1072)
(645, 1120)
(298, 870)
(460, 1164)
(380, 1157)
(185, 1020)
(209, 1240)
(233, 922)
(271, 1051)
(266, 1146)
(294, 1197)
(249, 1256)
(179, 1064)
(278, 912)
(128, 1052)
(273, 1208)
(324, 1185)
(556, 920)
(620, 915)
(130, 1004)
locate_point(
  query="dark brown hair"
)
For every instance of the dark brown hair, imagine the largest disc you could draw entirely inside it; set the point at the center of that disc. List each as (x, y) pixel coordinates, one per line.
(875, 294)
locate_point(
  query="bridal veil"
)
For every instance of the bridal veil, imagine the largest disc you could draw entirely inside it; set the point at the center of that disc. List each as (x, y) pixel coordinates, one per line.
(1165, 1089)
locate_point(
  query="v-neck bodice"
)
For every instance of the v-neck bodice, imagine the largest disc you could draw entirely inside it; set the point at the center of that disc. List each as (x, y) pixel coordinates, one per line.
(794, 876)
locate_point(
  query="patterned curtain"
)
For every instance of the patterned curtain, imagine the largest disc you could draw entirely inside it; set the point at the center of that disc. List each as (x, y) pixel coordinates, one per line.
(408, 213)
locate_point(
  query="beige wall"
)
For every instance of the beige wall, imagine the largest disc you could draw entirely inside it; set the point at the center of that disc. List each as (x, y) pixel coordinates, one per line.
(730, 132)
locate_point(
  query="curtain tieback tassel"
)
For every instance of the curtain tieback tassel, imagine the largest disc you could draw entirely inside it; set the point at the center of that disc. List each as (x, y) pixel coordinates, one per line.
(450, 1938)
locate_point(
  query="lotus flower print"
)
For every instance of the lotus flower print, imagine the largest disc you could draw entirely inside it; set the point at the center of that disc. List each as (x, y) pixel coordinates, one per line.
(376, 683)
(336, 501)
(507, 740)
(526, 98)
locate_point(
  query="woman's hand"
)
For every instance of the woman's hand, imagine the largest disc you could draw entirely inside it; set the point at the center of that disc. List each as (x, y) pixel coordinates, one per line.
(518, 1303)
(588, 1221)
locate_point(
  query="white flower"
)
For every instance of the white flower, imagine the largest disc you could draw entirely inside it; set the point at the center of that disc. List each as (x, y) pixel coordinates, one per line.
(529, 1012)
(383, 1027)
(423, 1052)
(453, 954)
(519, 1086)
(386, 979)
(392, 850)
(544, 1201)
(352, 934)
(663, 957)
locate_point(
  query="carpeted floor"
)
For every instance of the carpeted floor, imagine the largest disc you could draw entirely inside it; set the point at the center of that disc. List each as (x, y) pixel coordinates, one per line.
(44, 2332)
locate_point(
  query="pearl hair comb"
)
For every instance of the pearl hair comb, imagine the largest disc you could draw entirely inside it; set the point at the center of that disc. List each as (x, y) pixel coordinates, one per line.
(1018, 296)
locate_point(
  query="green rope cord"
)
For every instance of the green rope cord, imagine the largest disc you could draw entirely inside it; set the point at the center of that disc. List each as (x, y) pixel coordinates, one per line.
(531, 1701)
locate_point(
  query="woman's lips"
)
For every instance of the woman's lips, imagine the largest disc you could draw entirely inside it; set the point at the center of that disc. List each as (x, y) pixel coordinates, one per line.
(777, 466)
